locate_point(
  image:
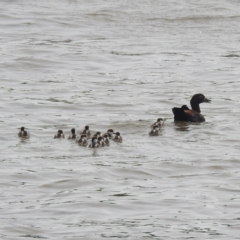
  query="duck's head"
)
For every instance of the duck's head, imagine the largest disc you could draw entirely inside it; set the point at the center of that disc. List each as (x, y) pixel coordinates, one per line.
(199, 98)
(196, 100)
(118, 133)
(86, 127)
(159, 120)
(73, 130)
(60, 132)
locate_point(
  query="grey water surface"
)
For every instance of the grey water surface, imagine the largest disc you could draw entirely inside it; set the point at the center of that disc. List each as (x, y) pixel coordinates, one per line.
(121, 65)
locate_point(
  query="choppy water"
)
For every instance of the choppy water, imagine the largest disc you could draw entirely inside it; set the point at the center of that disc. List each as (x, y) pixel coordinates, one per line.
(120, 65)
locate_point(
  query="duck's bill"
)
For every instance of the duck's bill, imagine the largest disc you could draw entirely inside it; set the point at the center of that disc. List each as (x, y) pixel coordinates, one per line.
(207, 100)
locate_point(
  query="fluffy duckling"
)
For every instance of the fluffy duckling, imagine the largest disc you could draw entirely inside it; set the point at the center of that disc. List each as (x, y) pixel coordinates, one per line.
(155, 131)
(117, 138)
(158, 123)
(101, 142)
(94, 143)
(110, 133)
(106, 140)
(73, 134)
(86, 131)
(59, 134)
(97, 134)
(23, 133)
(82, 141)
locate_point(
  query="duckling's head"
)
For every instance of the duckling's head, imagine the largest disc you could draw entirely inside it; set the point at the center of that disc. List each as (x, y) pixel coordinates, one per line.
(97, 134)
(105, 136)
(83, 136)
(110, 131)
(73, 130)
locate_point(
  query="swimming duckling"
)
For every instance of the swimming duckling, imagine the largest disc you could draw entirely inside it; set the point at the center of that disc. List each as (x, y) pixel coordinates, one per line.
(23, 133)
(86, 131)
(59, 134)
(82, 141)
(110, 133)
(73, 134)
(106, 140)
(117, 137)
(101, 142)
(155, 131)
(94, 143)
(158, 123)
(97, 134)
(188, 115)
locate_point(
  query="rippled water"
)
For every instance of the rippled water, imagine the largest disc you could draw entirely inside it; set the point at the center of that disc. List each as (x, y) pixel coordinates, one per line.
(120, 65)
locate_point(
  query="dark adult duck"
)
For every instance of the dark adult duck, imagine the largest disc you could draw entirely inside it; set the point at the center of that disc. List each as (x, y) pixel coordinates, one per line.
(188, 115)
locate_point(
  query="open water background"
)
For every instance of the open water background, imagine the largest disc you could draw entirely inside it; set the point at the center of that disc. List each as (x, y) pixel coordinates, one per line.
(121, 65)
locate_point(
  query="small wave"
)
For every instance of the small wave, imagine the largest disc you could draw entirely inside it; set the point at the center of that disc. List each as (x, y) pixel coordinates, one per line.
(130, 54)
(231, 55)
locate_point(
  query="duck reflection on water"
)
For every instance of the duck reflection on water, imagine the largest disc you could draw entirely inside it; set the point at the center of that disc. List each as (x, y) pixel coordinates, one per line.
(182, 126)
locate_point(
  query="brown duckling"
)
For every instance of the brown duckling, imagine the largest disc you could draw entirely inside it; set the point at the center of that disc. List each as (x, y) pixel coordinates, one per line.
(59, 134)
(97, 134)
(110, 133)
(101, 142)
(23, 133)
(82, 141)
(155, 131)
(117, 137)
(73, 134)
(94, 143)
(158, 123)
(106, 140)
(87, 132)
